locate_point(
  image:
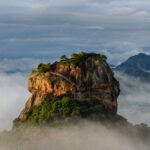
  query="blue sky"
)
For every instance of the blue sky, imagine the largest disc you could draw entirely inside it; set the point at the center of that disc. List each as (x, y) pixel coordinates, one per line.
(39, 28)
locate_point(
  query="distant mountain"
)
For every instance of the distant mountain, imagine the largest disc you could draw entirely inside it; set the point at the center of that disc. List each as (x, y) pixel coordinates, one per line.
(137, 66)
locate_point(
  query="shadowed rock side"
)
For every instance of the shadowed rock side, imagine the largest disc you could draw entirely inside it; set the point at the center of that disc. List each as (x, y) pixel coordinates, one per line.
(86, 77)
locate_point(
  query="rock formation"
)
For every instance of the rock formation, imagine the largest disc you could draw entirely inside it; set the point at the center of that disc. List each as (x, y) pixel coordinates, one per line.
(84, 76)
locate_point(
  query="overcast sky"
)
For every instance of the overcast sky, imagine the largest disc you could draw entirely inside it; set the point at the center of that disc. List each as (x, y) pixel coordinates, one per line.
(119, 28)
(50, 28)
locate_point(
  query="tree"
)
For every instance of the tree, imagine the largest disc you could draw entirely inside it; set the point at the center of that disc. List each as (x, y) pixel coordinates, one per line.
(44, 67)
(75, 56)
(63, 58)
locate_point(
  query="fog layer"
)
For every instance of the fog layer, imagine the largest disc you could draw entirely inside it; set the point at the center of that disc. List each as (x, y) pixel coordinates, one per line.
(134, 100)
(84, 136)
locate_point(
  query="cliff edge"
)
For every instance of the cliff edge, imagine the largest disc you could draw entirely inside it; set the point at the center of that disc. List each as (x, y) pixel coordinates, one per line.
(83, 77)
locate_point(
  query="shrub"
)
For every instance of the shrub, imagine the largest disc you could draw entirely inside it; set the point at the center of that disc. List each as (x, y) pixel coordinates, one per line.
(63, 58)
(75, 58)
(58, 108)
(44, 68)
(76, 112)
(82, 56)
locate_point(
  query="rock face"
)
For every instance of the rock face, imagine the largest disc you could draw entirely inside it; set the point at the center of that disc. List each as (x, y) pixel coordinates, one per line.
(88, 79)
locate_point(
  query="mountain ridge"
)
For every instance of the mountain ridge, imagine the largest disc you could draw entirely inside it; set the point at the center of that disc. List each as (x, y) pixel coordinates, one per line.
(137, 66)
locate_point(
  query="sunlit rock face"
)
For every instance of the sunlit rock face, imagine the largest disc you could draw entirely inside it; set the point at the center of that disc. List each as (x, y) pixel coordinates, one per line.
(88, 79)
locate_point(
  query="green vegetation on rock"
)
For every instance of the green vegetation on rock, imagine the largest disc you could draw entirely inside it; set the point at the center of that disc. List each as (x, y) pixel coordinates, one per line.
(57, 109)
(82, 56)
(75, 58)
(43, 67)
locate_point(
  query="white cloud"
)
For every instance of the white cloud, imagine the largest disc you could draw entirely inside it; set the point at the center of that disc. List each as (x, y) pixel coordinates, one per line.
(34, 25)
(117, 57)
(142, 14)
(121, 11)
(13, 96)
(134, 100)
(84, 136)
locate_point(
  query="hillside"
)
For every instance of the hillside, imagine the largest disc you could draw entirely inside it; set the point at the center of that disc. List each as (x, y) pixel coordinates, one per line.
(137, 66)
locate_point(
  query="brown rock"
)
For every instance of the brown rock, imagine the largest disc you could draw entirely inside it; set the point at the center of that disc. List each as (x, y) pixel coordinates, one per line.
(91, 79)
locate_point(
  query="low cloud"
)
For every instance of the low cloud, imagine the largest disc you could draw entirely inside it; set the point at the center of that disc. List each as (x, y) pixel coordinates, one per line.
(117, 57)
(134, 100)
(21, 65)
(13, 95)
(84, 136)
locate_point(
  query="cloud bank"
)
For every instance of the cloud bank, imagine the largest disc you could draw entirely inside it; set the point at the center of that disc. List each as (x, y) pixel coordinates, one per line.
(134, 100)
(45, 28)
(13, 95)
(84, 136)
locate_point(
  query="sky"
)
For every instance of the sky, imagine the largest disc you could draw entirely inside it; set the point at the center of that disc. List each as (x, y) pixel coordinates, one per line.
(48, 28)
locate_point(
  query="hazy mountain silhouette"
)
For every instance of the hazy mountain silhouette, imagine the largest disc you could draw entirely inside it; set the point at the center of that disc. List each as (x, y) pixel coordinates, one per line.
(136, 66)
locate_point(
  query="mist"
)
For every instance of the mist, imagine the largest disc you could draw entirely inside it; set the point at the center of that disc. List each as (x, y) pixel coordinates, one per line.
(13, 94)
(84, 136)
(134, 100)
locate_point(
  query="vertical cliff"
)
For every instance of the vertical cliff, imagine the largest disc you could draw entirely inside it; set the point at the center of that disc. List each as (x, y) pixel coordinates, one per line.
(82, 77)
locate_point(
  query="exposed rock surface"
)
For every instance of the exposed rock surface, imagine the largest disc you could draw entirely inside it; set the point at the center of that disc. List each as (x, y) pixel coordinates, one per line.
(89, 79)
